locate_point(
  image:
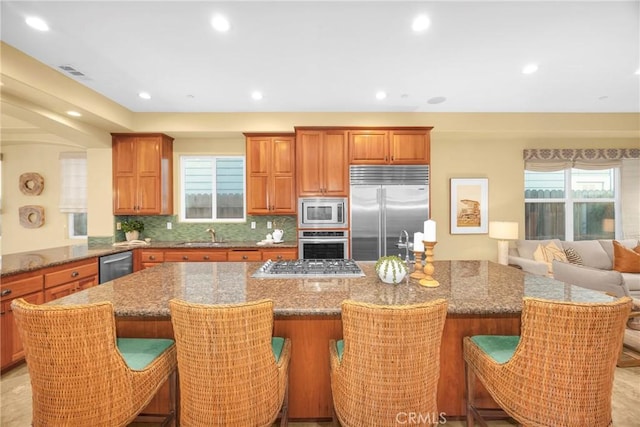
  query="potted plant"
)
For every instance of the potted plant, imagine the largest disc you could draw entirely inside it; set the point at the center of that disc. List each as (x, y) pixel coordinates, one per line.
(132, 228)
(391, 269)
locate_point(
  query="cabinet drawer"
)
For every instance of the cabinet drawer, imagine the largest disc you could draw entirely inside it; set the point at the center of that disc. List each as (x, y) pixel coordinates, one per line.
(279, 254)
(16, 288)
(151, 256)
(70, 274)
(247, 255)
(195, 256)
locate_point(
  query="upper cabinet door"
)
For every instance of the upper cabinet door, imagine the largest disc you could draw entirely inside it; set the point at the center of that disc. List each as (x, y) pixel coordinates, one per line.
(142, 174)
(410, 147)
(270, 174)
(368, 147)
(322, 163)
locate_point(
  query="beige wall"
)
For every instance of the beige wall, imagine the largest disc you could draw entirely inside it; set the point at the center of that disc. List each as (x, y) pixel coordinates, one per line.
(43, 159)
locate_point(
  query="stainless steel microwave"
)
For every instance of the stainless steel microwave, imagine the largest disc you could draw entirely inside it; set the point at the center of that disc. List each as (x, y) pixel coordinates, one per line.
(322, 212)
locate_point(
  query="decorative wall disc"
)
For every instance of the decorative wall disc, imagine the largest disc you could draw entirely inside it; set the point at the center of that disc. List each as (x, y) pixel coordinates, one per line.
(31, 183)
(31, 216)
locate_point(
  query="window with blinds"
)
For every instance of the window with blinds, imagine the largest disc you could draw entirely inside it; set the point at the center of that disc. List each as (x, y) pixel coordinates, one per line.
(213, 188)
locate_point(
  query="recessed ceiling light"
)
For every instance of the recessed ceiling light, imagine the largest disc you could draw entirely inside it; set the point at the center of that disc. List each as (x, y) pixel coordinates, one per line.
(256, 95)
(74, 113)
(420, 23)
(381, 94)
(529, 68)
(37, 23)
(144, 95)
(220, 23)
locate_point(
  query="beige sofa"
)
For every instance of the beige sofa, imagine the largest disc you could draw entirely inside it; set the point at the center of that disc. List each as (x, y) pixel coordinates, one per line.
(594, 272)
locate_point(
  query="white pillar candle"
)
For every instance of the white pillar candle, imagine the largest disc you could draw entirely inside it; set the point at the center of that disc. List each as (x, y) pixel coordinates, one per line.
(430, 230)
(418, 245)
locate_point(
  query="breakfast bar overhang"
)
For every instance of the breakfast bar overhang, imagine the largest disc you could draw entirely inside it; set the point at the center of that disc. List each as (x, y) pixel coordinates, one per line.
(484, 298)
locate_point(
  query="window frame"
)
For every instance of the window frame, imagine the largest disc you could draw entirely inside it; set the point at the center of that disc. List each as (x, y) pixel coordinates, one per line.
(569, 202)
(213, 158)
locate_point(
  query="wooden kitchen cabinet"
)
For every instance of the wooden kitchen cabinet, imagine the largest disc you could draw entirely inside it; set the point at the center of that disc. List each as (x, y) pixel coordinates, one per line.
(246, 255)
(74, 277)
(142, 174)
(322, 162)
(277, 254)
(29, 287)
(271, 186)
(392, 146)
(197, 255)
(150, 258)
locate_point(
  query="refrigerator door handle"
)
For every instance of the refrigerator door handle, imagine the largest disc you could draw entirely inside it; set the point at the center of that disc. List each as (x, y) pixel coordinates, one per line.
(382, 238)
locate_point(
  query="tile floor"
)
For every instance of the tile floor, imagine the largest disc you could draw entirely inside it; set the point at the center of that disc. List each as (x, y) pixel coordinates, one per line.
(16, 401)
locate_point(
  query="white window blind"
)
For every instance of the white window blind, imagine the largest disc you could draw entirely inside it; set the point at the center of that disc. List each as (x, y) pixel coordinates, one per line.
(73, 182)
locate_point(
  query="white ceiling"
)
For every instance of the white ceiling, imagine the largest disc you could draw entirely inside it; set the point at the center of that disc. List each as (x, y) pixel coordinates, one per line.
(334, 56)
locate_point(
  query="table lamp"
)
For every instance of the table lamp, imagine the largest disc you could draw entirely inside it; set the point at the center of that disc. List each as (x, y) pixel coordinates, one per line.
(503, 231)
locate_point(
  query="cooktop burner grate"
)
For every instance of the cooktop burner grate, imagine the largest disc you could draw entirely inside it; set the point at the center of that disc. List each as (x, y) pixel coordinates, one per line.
(309, 268)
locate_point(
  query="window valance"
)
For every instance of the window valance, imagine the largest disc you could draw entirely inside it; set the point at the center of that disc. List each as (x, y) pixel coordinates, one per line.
(554, 159)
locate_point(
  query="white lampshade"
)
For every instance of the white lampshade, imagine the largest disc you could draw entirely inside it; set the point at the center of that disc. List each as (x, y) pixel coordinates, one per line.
(503, 230)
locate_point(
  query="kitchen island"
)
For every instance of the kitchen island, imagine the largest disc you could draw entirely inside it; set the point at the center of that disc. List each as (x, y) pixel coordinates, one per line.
(484, 298)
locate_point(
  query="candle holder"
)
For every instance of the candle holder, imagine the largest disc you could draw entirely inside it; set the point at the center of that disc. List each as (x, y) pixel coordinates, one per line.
(427, 280)
(417, 273)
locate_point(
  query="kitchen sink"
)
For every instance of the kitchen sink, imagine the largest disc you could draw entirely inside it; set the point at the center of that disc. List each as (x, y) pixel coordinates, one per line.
(201, 244)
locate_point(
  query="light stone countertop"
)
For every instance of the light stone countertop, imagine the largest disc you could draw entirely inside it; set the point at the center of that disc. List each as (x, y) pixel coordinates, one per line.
(471, 287)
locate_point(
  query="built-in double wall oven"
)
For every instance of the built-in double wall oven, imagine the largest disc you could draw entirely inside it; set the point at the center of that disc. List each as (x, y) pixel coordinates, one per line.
(323, 228)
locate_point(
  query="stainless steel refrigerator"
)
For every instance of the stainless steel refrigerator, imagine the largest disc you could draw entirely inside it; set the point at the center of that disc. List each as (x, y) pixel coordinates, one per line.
(384, 201)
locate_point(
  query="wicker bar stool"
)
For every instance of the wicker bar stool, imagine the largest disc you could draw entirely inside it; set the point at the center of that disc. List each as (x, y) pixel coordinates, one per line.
(81, 375)
(385, 372)
(558, 372)
(232, 371)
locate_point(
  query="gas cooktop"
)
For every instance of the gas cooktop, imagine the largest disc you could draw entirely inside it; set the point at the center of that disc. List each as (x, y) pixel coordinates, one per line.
(309, 268)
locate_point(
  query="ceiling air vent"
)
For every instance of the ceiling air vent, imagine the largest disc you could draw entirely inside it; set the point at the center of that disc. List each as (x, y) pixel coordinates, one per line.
(69, 69)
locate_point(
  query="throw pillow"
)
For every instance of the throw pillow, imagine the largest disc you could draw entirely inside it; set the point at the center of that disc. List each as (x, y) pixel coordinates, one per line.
(625, 260)
(573, 256)
(548, 253)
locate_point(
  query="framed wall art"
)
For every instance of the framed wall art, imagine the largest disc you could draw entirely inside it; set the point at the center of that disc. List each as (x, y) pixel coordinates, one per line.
(469, 205)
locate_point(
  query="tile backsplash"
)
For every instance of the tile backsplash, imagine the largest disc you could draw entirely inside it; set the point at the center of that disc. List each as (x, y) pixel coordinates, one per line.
(155, 228)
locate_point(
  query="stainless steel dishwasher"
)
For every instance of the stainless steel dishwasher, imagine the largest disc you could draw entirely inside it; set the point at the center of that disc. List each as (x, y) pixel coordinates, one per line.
(116, 265)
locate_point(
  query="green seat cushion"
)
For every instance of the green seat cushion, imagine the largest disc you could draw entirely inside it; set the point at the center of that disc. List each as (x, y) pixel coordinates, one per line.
(499, 347)
(340, 349)
(138, 353)
(277, 344)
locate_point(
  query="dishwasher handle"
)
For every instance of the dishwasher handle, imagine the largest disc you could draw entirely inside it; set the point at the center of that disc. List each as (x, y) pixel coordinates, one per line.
(112, 260)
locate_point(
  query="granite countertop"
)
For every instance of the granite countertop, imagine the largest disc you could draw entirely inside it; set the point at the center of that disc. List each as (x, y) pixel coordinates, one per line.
(33, 260)
(471, 287)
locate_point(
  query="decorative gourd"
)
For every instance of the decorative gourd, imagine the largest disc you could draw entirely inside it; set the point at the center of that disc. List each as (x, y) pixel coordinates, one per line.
(391, 269)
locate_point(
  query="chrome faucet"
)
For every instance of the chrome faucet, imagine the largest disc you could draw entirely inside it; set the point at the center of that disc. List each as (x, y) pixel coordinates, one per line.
(213, 234)
(406, 245)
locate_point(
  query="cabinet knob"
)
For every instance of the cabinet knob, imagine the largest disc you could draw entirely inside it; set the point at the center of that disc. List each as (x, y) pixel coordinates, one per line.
(244, 257)
(279, 257)
(206, 257)
(184, 257)
(75, 274)
(152, 257)
(5, 292)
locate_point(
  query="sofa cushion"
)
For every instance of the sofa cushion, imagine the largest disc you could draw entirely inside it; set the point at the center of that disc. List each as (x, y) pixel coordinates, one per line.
(632, 282)
(526, 248)
(548, 253)
(625, 260)
(608, 245)
(591, 252)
